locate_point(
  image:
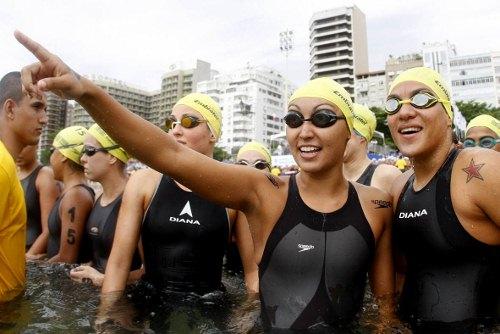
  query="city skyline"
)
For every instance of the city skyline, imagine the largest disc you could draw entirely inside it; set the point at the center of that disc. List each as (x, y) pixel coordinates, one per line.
(137, 42)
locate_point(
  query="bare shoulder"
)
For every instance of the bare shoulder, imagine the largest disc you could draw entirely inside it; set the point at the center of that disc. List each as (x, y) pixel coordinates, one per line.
(45, 176)
(398, 184)
(376, 205)
(385, 170)
(144, 179)
(78, 196)
(475, 172)
(372, 196)
(474, 164)
(45, 172)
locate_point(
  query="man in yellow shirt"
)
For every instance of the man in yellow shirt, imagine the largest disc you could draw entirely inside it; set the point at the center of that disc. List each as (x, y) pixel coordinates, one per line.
(21, 121)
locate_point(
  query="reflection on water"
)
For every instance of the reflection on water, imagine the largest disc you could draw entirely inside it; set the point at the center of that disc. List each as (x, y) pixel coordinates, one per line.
(53, 303)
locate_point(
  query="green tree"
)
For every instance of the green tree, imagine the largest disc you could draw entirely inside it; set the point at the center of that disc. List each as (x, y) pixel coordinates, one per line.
(45, 152)
(382, 125)
(471, 109)
(220, 154)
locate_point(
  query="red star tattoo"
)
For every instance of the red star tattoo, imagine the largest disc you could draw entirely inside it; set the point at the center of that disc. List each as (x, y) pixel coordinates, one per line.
(473, 171)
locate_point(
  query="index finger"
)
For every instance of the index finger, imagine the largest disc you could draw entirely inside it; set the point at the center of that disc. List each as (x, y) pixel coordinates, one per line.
(36, 49)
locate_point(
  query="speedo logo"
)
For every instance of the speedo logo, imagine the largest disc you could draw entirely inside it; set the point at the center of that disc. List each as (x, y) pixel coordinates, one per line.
(185, 211)
(304, 248)
(405, 215)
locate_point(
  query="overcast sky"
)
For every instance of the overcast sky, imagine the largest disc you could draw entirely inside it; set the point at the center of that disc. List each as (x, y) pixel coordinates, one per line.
(136, 41)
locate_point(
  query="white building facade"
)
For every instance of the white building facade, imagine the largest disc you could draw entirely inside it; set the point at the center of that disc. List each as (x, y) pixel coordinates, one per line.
(253, 104)
(476, 78)
(437, 56)
(370, 89)
(338, 45)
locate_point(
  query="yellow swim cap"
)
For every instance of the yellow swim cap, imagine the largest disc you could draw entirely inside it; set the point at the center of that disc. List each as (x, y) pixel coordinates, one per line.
(431, 79)
(257, 147)
(276, 171)
(365, 121)
(207, 107)
(327, 89)
(106, 141)
(69, 142)
(487, 121)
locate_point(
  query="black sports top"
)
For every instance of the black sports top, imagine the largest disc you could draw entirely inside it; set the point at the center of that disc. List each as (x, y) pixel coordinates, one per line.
(314, 266)
(366, 177)
(100, 230)
(184, 238)
(450, 275)
(31, 196)
(54, 222)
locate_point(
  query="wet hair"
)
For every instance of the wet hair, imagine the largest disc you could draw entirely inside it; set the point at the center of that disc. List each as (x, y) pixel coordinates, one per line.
(11, 88)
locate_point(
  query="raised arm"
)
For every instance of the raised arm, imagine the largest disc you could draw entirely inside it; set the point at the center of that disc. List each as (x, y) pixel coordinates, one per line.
(48, 192)
(74, 211)
(228, 185)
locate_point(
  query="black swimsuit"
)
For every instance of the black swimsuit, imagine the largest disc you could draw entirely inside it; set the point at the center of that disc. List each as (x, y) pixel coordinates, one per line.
(184, 238)
(314, 266)
(31, 196)
(54, 222)
(100, 231)
(451, 276)
(366, 177)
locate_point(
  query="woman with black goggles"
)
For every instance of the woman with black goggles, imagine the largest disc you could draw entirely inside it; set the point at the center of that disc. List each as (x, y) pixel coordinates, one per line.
(446, 222)
(103, 161)
(316, 235)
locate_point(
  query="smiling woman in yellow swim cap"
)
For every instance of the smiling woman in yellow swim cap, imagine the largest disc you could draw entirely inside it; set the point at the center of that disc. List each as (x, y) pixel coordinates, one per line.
(440, 203)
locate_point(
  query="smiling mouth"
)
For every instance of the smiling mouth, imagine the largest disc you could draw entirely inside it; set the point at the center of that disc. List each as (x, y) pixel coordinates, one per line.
(309, 149)
(410, 130)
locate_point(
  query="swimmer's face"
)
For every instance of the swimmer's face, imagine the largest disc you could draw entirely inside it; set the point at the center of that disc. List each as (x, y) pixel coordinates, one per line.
(478, 132)
(253, 159)
(317, 149)
(418, 132)
(97, 165)
(354, 144)
(27, 156)
(56, 162)
(198, 138)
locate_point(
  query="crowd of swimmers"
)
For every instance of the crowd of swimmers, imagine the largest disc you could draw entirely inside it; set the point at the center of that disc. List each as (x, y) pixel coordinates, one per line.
(428, 238)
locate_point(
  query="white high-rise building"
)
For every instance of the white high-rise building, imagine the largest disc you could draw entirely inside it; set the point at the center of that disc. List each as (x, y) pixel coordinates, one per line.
(338, 45)
(437, 56)
(370, 89)
(134, 99)
(476, 78)
(253, 103)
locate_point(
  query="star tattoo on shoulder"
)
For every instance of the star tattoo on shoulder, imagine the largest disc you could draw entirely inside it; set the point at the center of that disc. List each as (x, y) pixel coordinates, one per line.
(473, 171)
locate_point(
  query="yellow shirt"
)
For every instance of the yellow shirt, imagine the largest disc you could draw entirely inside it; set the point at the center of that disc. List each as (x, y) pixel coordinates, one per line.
(401, 164)
(12, 229)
